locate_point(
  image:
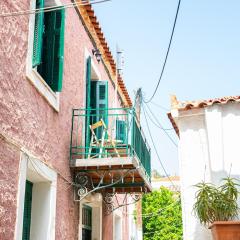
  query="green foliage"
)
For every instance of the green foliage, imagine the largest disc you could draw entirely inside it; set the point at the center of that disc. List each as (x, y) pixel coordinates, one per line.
(162, 216)
(216, 203)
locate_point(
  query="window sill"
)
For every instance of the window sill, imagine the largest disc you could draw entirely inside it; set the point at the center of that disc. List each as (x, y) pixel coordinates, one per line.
(42, 87)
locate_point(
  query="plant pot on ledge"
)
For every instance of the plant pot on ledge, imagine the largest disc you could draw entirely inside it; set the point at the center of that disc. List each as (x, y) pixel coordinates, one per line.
(225, 230)
(216, 208)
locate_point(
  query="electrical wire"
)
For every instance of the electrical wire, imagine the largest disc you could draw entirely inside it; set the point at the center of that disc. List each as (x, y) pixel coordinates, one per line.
(166, 57)
(158, 125)
(160, 106)
(154, 213)
(161, 127)
(155, 148)
(51, 8)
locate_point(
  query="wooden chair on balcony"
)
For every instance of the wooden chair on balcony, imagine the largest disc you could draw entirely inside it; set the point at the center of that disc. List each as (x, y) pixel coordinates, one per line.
(103, 142)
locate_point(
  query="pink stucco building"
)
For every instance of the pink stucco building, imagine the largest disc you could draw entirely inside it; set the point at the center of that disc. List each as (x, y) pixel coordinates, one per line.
(49, 159)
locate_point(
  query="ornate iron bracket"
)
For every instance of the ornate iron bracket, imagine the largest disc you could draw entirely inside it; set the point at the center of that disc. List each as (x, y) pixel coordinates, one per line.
(112, 201)
(84, 183)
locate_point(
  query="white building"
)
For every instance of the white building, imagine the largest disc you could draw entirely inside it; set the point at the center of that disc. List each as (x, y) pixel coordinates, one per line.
(209, 147)
(171, 182)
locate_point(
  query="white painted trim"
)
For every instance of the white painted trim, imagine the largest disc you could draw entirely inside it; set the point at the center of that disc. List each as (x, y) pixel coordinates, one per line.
(37, 172)
(103, 162)
(94, 201)
(32, 75)
(20, 197)
(117, 214)
(86, 55)
(93, 65)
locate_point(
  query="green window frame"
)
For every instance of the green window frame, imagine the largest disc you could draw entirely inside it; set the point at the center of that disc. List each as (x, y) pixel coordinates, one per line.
(121, 131)
(99, 103)
(48, 45)
(38, 34)
(27, 211)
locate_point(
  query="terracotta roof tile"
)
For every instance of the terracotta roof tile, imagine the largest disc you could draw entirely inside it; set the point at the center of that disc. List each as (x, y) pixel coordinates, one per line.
(188, 105)
(107, 53)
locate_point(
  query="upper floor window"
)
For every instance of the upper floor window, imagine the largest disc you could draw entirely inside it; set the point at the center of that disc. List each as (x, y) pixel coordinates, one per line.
(48, 44)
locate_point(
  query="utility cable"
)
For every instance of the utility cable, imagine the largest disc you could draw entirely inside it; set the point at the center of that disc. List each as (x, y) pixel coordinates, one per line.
(161, 127)
(51, 8)
(160, 106)
(166, 57)
(155, 148)
(157, 124)
(150, 214)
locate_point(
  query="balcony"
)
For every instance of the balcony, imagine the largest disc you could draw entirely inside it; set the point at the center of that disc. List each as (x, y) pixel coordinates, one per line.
(109, 146)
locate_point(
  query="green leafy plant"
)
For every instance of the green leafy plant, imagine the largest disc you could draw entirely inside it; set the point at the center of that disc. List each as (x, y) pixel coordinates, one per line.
(162, 215)
(216, 203)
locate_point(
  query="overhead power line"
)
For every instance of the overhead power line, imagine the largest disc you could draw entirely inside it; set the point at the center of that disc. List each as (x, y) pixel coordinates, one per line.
(153, 214)
(166, 57)
(159, 125)
(51, 8)
(155, 148)
(156, 122)
(160, 106)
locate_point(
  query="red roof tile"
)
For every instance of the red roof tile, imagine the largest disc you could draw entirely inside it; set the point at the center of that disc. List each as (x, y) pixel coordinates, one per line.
(188, 105)
(107, 51)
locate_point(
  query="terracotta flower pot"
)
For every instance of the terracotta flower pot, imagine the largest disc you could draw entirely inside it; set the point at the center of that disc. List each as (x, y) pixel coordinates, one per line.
(226, 230)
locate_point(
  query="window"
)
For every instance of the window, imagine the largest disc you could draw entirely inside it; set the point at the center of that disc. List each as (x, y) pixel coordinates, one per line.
(96, 102)
(99, 100)
(36, 210)
(27, 211)
(86, 222)
(121, 131)
(48, 45)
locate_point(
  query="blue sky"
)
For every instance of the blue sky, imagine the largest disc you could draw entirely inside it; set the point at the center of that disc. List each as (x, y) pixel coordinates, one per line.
(204, 61)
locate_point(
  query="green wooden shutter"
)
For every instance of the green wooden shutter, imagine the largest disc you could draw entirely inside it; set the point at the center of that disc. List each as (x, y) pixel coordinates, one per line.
(58, 51)
(102, 100)
(87, 217)
(27, 211)
(38, 34)
(121, 130)
(99, 103)
(53, 49)
(88, 103)
(86, 222)
(88, 83)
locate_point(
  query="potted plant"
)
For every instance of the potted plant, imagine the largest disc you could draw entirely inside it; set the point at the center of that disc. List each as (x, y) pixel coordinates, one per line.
(216, 208)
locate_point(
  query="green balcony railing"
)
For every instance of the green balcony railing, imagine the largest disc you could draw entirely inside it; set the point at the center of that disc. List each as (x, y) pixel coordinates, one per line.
(113, 132)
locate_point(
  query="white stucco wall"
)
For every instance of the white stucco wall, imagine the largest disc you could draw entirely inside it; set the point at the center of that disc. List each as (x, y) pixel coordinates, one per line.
(209, 138)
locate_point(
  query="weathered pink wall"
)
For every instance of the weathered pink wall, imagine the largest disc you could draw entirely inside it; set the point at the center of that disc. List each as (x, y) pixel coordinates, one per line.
(107, 232)
(26, 116)
(108, 221)
(8, 191)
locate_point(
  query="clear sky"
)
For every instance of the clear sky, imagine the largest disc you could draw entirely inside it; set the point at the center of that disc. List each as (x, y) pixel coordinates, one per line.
(204, 61)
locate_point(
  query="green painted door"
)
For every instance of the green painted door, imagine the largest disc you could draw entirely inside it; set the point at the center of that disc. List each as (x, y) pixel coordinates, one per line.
(99, 102)
(88, 105)
(27, 211)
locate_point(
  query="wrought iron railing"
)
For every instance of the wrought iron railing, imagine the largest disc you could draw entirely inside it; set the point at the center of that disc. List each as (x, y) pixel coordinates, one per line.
(116, 134)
